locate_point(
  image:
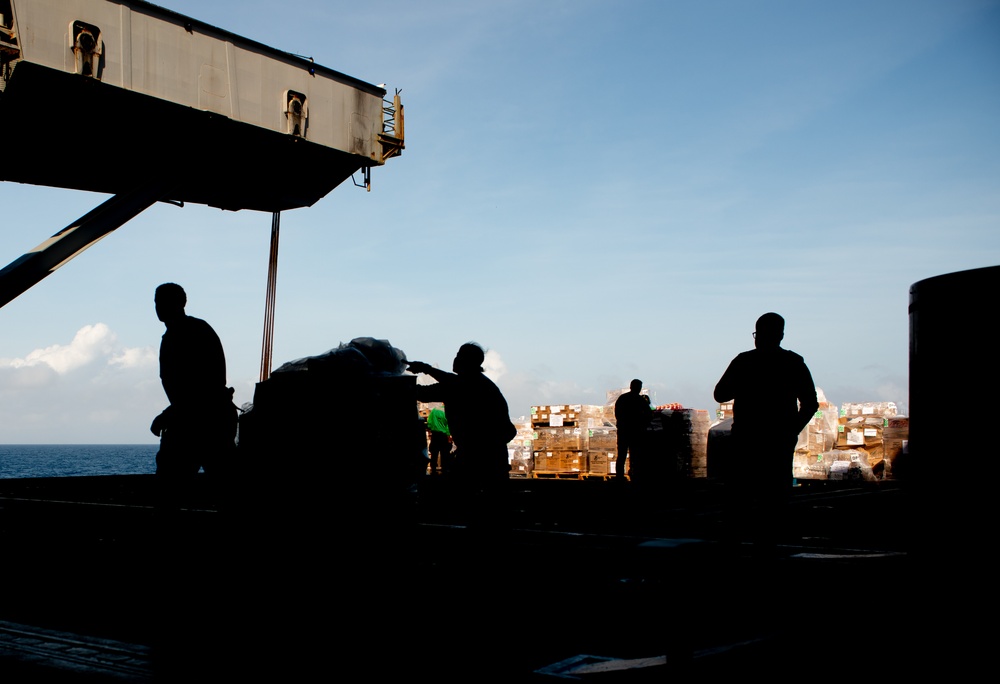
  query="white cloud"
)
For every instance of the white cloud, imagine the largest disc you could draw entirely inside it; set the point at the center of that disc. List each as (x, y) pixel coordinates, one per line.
(135, 357)
(89, 343)
(87, 391)
(493, 366)
(15, 378)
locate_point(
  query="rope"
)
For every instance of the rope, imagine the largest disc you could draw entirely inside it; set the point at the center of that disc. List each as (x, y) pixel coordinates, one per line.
(272, 279)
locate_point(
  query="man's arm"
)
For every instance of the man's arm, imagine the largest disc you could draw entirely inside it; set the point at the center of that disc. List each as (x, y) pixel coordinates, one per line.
(806, 394)
(725, 389)
(427, 369)
(436, 392)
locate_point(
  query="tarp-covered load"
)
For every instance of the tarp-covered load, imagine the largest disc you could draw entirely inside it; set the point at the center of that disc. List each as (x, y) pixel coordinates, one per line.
(337, 431)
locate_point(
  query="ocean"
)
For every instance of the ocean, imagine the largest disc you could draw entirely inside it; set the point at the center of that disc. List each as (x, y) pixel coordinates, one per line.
(70, 460)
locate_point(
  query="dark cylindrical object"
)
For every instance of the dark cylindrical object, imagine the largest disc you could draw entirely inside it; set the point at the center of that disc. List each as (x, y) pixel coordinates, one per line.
(953, 370)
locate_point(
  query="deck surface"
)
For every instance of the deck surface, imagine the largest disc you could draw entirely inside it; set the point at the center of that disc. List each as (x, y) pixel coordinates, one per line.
(585, 579)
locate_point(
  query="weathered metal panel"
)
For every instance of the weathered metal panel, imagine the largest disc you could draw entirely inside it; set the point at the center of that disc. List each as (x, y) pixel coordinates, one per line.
(163, 54)
(165, 93)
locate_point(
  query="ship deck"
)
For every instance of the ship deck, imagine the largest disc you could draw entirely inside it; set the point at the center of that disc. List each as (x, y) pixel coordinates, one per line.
(588, 580)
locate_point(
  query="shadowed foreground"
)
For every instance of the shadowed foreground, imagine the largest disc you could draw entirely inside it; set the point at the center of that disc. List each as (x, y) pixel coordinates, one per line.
(591, 580)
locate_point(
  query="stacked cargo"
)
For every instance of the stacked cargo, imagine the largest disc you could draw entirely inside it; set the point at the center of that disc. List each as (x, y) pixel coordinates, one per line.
(519, 449)
(895, 438)
(571, 440)
(861, 426)
(852, 442)
(566, 415)
(817, 438)
(699, 423)
(858, 453)
(602, 450)
(576, 441)
(560, 450)
(678, 444)
(725, 411)
(855, 447)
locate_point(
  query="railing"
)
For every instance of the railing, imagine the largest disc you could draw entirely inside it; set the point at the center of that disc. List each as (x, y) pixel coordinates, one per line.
(393, 136)
(10, 53)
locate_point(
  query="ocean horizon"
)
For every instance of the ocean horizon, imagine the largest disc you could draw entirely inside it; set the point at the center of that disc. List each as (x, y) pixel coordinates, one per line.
(76, 460)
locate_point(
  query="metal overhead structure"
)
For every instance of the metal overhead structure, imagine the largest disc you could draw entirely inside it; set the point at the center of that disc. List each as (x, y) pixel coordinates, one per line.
(130, 99)
(29, 269)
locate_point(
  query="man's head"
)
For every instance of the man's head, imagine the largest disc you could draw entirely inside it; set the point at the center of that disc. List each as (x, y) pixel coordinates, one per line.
(169, 300)
(635, 385)
(769, 331)
(469, 359)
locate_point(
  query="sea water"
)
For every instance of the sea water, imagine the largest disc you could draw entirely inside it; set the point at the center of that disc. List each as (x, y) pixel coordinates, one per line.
(69, 460)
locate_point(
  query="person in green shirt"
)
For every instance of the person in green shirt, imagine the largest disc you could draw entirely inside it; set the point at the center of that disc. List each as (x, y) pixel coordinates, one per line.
(440, 441)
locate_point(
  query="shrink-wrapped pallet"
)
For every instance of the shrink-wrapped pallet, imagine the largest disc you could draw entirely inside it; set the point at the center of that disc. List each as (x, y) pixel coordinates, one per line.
(861, 427)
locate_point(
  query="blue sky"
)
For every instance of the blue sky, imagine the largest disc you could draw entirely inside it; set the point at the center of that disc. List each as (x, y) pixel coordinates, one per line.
(593, 190)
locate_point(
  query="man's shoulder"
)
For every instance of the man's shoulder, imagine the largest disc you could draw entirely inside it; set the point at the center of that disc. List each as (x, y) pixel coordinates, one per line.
(743, 358)
(199, 325)
(194, 320)
(793, 357)
(475, 384)
(482, 379)
(778, 353)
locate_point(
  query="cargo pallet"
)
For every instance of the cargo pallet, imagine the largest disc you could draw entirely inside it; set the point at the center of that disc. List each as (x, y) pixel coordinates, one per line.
(557, 476)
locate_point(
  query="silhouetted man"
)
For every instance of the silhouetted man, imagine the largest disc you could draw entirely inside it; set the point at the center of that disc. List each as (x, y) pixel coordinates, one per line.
(479, 421)
(773, 399)
(439, 447)
(198, 430)
(632, 416)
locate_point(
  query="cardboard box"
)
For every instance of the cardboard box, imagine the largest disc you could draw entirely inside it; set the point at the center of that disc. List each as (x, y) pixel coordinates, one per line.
(560, 462)
(590, 416)
(567, 415)
(821, 432)
(546, 462)
(602, 439)
(810, 466)
(882, 409)
(599, 462)
(724, 411)
(575, 461)
(560, 439)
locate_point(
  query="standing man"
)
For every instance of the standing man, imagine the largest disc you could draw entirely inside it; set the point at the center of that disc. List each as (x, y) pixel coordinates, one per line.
(773, 399)
(633, 414)
(198, 429)
(439, 448)
(480, 426)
